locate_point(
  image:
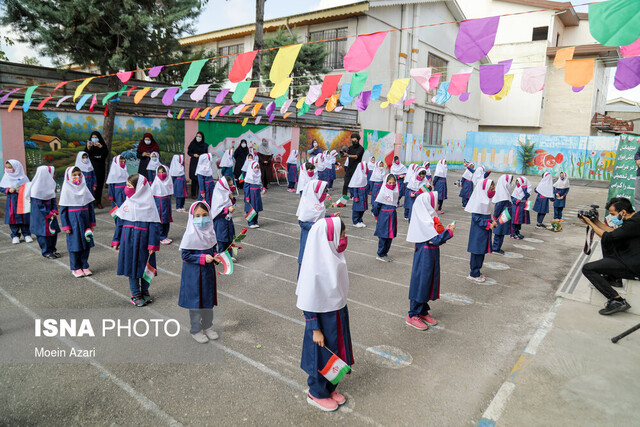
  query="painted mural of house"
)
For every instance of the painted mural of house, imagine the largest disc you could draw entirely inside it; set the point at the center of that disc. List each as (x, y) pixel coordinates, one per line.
(42, 141)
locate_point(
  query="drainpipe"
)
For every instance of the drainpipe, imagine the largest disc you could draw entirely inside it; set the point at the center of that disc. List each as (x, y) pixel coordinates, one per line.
(402, 66)
(412, 63)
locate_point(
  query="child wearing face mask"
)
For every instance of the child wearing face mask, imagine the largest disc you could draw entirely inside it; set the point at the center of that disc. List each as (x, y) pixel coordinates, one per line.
(315, 148)
(292, 171)
(152, 166)
(245, 166)
(176, 170)
(144, 151)
(479, 206)
(377, 176)
(502, 203)
(206, 182)
(519, 215)
(117, 181)
(198, 292)
(162, 189)
(385, 213)
(44, 211)
(307, 173)
(13, 178)
(371, 165)
(322, 289)
(399, 171)
(84, 164)
(140, 239)
(560, 190)
(358, 192)
(545, 192)
(78, 220)
(417, 179)
(253, 192)
(222, 208)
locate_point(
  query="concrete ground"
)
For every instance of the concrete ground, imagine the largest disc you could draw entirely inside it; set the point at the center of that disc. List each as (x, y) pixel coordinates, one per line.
(446, 376)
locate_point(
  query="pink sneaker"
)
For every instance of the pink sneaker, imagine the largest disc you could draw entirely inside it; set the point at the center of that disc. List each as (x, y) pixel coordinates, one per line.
(77, 273)
(340, 399)
(327, 405)
(440, 212)
(430, 320)
(416, 323)
(166, 241)
(87, 272)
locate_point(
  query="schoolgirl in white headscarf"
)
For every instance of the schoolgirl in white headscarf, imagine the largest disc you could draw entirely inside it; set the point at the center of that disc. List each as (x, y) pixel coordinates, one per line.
(44, 211)
(545, 192)
(560, 190)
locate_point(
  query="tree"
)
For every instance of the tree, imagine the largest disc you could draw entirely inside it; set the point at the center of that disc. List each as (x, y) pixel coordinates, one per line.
(212, 72)
(114, 35)
(258, 43)
(4, 40)
(308, 67)
(27, 60)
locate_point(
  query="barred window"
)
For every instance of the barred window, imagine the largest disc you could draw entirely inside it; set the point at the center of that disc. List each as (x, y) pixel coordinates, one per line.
(229, 50)
(336, 49)
(433, 128)
(437, 65)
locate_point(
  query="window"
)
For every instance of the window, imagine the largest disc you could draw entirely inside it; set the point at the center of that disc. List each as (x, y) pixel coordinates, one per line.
(229, 50)
(437, 65)
(540, 33)
(336, 48)
(433, 128)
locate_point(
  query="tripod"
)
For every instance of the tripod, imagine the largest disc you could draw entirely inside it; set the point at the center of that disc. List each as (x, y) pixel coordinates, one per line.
(625, 333)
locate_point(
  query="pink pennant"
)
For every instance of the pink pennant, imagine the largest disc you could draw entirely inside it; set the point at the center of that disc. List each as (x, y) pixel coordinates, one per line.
(631, 50)
(58, 86)
(434, 81)
(475, 38)
(362, 51)
(329, 87)
(421, 76)
(410, 101)
(258, 119)
(155, 71)
(318, 111)
(169, 96)
(491, 78)
(156, 92)
(221, 95)
(533, 79)
(93, 103)
(458, 84)
(124, 76)
(241, 66)
(61, 100)
(338, 109)
(200, 92)
(44, 101)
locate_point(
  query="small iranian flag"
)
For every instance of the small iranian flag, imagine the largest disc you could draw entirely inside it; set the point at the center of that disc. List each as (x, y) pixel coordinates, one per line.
(424, 188)
(335, 369)
(251, 215)
(505, 216)
(149, 273)
(24, 202)
(342, 202)
(88, 234)
(112, 212)
(227, 263)
(528, 206)
(52, 230)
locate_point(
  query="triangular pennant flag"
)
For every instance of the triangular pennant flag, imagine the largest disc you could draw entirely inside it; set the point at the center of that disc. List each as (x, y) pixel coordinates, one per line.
(615, 22)
(397, 90)
(312, 94)
(244, 121)
(577, 89)
(508, 80)
(345, 94)
(251, 93)
(491, 78)
(533, 79)
(191, 78)
(245, 108)
(258, 120)
(194, 112)
(362, 51)
(225, 110)
(241, 91)
(283, 64)
(131, 90)
(579, 72)
(443, 94)
(434, 80)
(169, 95)
(140, 94)
(421, 76)
(124, 76)
(280, 88)
(329, 87)
(93, 103)
(81, 87)
(108, 96)
(200, 92)
(376, 91)
(627, 73)
(363, 100)
(357, 84)
(155, 71)
(562, 56)
(285, 106)
(241, 66)
(475, 38)
(458, 84)
(256, 108)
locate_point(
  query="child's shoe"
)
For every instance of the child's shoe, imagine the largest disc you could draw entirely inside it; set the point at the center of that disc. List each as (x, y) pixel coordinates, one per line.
(479, 279)
(211, 334)
(137, 300)
(28, 239)
(327, 405)
(147, 297)
(15, 240)
(416, 323)
(166, 241)
(440, 211)
(200, 337)
(340, 399)
(430, 320)
(77, 273)
(87, 272)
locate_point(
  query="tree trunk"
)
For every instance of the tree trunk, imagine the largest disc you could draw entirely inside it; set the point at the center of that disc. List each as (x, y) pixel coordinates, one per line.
(109, 120)
(258, 40)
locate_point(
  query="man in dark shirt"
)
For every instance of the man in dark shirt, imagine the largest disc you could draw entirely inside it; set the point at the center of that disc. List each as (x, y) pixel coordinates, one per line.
(354, 154)
(622, 255)
(637, 191)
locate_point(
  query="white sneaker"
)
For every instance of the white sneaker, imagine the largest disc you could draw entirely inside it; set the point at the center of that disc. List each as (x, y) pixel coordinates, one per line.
(211, 334)
(480, 279)
(359, 225)
(254, 226)
(15, 240)
(383, 258)
(28, 239)
(200, 337)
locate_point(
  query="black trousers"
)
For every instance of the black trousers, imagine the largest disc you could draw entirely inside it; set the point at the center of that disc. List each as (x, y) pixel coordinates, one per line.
(100, 175)
(347, 177)
(612, 268)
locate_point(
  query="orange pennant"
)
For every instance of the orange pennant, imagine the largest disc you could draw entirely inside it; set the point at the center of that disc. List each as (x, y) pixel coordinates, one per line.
(256, 108)
(140, 94)
(562, 56)
(579, 72)
(12, 105)
(287, 115)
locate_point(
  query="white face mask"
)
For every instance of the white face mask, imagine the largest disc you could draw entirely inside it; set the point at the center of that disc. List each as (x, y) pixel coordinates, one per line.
(243, 145)
(147, 141)
(85, 161)
(95, 140)
(198, 138)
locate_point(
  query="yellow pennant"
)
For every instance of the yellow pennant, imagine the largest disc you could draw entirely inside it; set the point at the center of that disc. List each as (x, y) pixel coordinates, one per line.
(280, 88)
(81, 87)
(332, 103)
(396, 92)
(508, 80)
(248, 98)
(244, 122)
(283, 63)
(300, 102)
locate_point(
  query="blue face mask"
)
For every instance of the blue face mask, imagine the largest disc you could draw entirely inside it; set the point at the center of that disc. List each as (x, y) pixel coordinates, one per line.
(202, 222)
(616, 221)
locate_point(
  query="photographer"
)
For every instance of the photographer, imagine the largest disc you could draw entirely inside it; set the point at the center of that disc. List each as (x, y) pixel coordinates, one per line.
(621, 252)
(354, 154)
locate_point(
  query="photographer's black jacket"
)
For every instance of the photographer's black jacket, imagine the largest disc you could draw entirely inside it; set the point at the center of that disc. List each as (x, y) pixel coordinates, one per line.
(623, 243)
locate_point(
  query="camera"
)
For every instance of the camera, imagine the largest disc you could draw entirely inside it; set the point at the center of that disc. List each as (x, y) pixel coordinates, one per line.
(591, 213)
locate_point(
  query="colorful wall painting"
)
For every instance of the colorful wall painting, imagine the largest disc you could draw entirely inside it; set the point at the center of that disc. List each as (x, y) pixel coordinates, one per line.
(328, 139)
(623, 179)
(379, 144)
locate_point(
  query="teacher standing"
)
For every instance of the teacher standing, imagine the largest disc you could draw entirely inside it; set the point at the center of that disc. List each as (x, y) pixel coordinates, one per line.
(147, 146)
(265, 154)
(197, 147)
(98, 154)
(354, 156)
(240, 155)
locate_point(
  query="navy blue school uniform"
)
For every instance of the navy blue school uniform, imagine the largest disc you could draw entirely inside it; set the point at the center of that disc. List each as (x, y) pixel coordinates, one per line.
(44, 224)
(164, 211)
(541, 206)
(206, 184)
(332, 175)
(305, 226)
(386, 227)
(559, 204)
(151, 175)
(223, 226)
(466, 188)
(374, 190)
(323, 176)
(359, 203)
(179, 190)
(17, 222)
(409, 199)
(253, 199)
(198, 290)
(519, 215)
(401, 185)
(440, 185)
(91, 181)
(479, 241)
(116, 194)
(334, 325)
(425, 274)
(77, 219)
(369, 173)
(227, 171)
(502, 229)
(137, 239)
(292, 175)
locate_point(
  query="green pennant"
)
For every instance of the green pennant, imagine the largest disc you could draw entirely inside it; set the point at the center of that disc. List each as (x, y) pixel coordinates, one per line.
(108, 97)
(241, 90)
(281, 100)
(304, 109)
(357, 83)
(191, 78)
(29, 92)
(615, 22)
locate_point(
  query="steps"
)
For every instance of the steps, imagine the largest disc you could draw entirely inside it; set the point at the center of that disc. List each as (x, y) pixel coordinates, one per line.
(630, 291)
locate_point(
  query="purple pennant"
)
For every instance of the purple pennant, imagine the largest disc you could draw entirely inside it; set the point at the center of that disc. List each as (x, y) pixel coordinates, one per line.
(168, 97)
(155, 71)
(627, 73)
(363, 100)
(476, 38)
(156, 92)
(271, 117)
(464, 97)
(7, 95)
(270, 108)
(221, 95)
(225, 110)
(507, 65)
(491, 78)
(577, 89)
(258, 119)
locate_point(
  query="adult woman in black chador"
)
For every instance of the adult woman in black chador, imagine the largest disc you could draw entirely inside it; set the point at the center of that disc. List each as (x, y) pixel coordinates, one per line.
(98, 154)
(197, 147)
(240, 155)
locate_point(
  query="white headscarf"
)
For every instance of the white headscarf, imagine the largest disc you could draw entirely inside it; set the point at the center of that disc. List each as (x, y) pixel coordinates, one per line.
(427, 166)
(220, 198)
(413, 183)
(467, 173)
(560, 183)
(411, 171)
(161, 188)
(319, 162)
(503, 189)
(310, 208)
(141, 206)
(117, 173)
(252, 176)
(177, 165)
(378, 172)
(323, 283)
(84, 167)
(204, 165)
(247, 160)
(398, 169)
(43, 186)
(478, 175)
(293, 157)
(441, 168)
(16, 178)
(195, 238)
(386, 196)
(304, 178)
(75, 195)
(359, 177)
(546, 186)
(518, 192)
(227, 159)
(371, 165)
(479, 202)
(154, 161)
(328, 160)
(422, 226)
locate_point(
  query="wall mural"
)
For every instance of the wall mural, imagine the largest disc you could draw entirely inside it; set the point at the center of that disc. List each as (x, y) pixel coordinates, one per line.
(328, 139)
(380, 144)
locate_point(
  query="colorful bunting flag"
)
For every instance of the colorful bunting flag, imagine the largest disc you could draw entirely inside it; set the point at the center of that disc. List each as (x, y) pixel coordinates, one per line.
(82, 101)
(363, 100)
(443, 94)
(28, 93)
(169, 96)
(156, 92)
(140, 94)
(81, 87)
(627, 73)
(632, 49)
(200, 92)
(434, 80)
(362, 51)
(345, 96)
(579, 72)
(241, 66)
(458, 84)
(376, 91)
(256, 108)
(491, 78)
(562, 56)
(221, 95)
(313, 94)
(332, 103)
(191, 77)
(507, 65)
(44, 101)
(61, 100)
(7, 95)
(356, 86)
(329, 87)
(283, 64)
(285, 106)
(508, 80)
(251, 93)
(421, 76)
(280, 88)
(155, 71)
(615, 22)
(533, 79)
(397, 90)
(124, 76)
(241, 91)
(475, 38)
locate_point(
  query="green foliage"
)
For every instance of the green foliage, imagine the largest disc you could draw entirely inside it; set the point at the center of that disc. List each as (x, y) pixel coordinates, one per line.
(30, 60)
(212, 72)
(309, 65)
(526, 154)
(4, 40)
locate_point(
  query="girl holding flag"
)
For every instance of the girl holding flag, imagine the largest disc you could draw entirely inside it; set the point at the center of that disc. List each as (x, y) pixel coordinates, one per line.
(44, 211)
(416, 180)
(545, 192)
(84, 164)
(479, 207)
(162, 189)
(399, 171)
(428, 235)
(466, 183)
(13, 178)
(377, 176)
(205, 178)
(502, 212)
(560, 189)
(385, 213)
(222, 207)
(176, 170)
(117, 181)
(292, 171)
(440, 183)
(253, 192)
(140, 239)
(519, 211)
(323, 285)
(358, 192)
(198, 291)
(78, 220)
